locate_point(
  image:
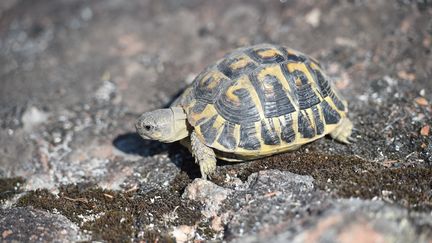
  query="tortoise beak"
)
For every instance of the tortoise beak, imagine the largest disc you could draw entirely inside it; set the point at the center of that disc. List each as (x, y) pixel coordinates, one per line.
(139, 129)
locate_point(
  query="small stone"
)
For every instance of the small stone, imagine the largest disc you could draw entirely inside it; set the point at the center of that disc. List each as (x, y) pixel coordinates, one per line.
(313, 17)
(208, 193)
(424, 131)
(427, 41)
(342, 41)
(33, 117)
(406, 75)
(422, 92)
(6, 233)
(406, 24)
(86, 13)
(216, 224)
(183, 233)
(106, 91)
(421, 101)
(386, 193)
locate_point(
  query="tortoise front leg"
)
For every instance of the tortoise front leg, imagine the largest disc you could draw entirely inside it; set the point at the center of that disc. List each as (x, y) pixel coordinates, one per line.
(204, 156)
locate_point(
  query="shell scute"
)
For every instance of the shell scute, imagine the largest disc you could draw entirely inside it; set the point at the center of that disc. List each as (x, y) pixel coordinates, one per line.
(266, 54)
(248, 137)
(269, 134)
(287, 131)
(305, 127)
(208, 85)
(227, 138)
(236, 105)
(274, 98)
(236, 65)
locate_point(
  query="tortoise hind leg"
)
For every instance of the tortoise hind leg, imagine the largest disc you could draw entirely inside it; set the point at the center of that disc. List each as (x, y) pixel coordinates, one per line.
(343, 132)
(204, 156)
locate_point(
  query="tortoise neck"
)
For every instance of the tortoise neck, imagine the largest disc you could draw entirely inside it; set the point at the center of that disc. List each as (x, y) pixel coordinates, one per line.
(179, 123)
(179, 113)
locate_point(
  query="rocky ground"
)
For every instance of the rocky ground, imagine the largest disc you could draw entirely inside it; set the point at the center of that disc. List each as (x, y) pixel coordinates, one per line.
(75, 75)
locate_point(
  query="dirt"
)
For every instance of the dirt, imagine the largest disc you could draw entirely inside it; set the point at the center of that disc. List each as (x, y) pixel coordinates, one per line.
(76, 74)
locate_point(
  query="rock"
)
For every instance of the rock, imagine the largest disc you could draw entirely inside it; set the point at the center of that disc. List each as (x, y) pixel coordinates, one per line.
(208, 193)
(216, 224)
(421, 101)
(271, 198)
(31, 225)
(348, 220)
(183, 233)
(367, 221)
(16, 154)
(33, 117)
(106, 91)
(424, 131)
(282, 181)
(276, 206)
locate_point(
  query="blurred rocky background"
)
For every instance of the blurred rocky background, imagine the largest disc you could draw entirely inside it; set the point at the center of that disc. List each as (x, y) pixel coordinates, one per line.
(75, 74)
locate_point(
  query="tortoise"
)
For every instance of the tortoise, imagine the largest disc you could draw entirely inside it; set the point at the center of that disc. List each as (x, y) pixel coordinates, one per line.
(255, 102)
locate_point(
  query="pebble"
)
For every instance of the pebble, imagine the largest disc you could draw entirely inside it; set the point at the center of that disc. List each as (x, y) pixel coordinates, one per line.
(313, 17)
(421, 101)
(33, 117)
(424, 131)
(208, 193)
(183, 233)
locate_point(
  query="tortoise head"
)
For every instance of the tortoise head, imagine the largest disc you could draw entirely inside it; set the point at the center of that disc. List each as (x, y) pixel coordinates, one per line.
(165, 125)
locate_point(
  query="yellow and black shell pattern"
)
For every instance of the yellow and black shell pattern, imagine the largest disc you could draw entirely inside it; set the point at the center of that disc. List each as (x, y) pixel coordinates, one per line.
(261, 100)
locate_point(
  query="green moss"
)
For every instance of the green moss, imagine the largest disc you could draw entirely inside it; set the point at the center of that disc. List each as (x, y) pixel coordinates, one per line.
(350, 176)
(10, 187)
(118, 225)
(180, 182)
(153, 236)
(117, 216)
(204, 228)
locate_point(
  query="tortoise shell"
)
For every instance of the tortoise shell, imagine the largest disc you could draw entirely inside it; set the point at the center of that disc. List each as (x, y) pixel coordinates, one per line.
(261, 100)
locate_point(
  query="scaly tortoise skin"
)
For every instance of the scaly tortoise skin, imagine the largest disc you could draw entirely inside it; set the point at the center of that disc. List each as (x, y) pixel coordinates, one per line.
(262, 100)
(254, 102)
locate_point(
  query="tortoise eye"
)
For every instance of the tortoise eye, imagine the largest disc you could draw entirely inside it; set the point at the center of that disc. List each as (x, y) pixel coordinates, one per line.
(148, 127)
